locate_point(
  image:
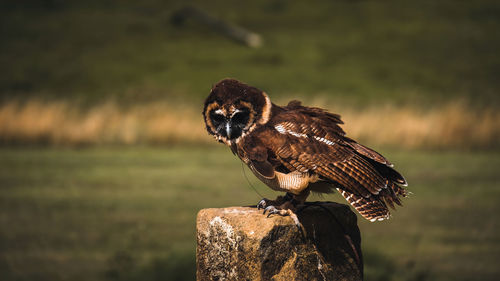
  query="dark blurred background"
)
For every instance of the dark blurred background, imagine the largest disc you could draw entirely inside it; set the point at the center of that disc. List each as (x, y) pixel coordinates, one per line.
(104, 159)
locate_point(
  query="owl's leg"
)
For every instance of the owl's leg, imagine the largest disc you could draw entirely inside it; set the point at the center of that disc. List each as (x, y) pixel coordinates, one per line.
(300, 198)
(282, 203)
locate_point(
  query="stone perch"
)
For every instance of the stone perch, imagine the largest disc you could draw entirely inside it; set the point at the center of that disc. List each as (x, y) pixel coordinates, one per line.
(239, 243)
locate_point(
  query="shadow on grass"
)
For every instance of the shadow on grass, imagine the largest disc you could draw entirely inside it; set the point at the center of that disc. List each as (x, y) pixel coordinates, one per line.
(122, 266)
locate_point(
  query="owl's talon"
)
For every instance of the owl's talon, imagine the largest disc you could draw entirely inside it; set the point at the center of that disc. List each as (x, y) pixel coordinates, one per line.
(262, 204)
(280, 200)
(272, 210)
(268, 209)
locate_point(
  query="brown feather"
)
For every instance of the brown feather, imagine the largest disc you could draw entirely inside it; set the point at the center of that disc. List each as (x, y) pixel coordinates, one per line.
(370, 208)
(307, 143)
(264, 168)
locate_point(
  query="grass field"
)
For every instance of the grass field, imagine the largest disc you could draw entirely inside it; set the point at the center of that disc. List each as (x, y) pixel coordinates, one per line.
(128, 213)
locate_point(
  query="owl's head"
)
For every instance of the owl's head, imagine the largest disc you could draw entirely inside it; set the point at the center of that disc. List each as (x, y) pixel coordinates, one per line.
(233, 109)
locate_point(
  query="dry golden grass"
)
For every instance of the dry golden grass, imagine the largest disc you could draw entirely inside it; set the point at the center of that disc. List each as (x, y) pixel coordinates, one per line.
(452, 125)
(62, 123)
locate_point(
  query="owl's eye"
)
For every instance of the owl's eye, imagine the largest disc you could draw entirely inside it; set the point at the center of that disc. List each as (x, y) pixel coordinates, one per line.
(217, 118)
(240, 117)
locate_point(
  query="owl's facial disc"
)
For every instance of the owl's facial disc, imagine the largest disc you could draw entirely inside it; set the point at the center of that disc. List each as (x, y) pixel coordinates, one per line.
(230, 125)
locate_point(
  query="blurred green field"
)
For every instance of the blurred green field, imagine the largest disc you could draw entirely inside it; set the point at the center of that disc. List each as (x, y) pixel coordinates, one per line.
(128, 213)
(358, 52)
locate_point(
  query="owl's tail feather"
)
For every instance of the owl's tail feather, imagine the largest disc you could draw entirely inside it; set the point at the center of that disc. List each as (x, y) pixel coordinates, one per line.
(371, 208)
(400, 191)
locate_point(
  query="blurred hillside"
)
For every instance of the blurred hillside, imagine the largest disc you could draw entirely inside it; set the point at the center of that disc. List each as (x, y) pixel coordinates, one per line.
(425, 74)
(359, 52)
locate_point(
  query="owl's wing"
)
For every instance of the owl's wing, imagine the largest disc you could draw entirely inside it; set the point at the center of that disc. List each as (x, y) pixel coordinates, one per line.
(314, 143)
(307, 147)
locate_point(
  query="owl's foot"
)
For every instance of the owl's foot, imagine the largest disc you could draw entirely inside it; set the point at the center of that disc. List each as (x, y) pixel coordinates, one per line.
(271, 210)
(285, 211)
(264, 203)
(282, 206)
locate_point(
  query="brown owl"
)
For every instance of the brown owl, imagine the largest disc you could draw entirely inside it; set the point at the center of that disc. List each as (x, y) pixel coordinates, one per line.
(299, 149)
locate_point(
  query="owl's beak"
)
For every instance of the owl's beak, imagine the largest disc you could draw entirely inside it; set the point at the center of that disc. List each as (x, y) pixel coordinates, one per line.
(228, 130)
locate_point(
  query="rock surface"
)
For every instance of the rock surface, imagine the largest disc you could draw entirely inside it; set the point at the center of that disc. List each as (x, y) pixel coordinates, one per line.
(239, 243)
